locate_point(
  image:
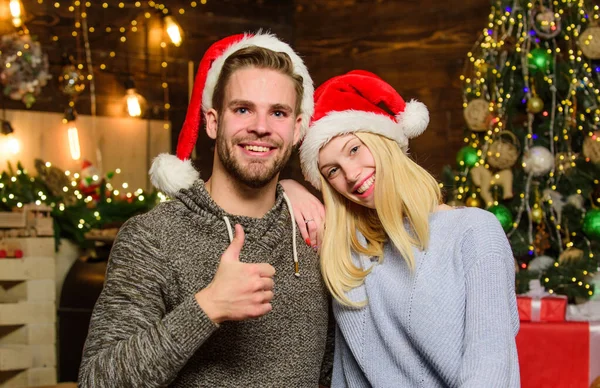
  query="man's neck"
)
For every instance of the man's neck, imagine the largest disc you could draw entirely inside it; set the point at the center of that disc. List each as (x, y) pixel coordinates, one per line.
(238, 199)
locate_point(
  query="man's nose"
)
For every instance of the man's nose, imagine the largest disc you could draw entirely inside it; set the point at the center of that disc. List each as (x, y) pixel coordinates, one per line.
(260, 125)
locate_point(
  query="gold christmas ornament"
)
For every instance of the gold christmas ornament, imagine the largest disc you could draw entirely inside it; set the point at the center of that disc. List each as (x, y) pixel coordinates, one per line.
(570, 255)
(537, 214)
(504, 151)
(473, 202)
(477, 114)
(589, 42)
(535, 105)
(545, 18)
(591, 147)
(485, 179)
(545, 22)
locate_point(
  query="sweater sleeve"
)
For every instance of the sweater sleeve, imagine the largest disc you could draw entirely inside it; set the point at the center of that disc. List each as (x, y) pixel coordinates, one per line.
(132, 340)
(492, 320)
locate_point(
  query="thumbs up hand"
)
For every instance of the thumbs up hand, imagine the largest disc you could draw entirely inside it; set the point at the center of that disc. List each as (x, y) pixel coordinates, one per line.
(239, 290)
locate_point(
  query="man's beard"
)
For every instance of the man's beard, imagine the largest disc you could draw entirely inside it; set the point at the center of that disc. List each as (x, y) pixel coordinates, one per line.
(256, 174)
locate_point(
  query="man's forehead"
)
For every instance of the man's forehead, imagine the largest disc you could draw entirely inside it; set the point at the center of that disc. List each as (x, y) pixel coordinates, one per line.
(250, 83)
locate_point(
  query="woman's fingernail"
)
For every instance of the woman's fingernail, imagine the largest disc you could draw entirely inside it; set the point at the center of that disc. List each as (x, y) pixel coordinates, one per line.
(315, 247)
(308, 242)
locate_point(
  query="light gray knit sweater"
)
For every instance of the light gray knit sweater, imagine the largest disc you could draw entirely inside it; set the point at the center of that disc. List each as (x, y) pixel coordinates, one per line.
(450, 323)
(148, 331)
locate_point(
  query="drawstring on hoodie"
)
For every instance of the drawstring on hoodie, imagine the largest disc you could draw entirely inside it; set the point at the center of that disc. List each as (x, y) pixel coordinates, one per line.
(229, 230)
(295, 251)
(289, 206)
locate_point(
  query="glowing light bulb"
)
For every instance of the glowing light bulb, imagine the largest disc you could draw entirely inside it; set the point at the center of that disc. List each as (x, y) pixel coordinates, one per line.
(133, 104)
(173, 30)
(74, 142)
(15, 12)
(12, 145)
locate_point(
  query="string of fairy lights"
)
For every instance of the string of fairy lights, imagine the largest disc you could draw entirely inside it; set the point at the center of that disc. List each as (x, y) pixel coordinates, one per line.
(73, 188)
(81, 69)
(519, 61)
(74, 76)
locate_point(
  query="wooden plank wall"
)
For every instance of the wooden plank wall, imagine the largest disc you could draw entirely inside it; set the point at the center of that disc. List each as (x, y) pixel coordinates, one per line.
(418, 46)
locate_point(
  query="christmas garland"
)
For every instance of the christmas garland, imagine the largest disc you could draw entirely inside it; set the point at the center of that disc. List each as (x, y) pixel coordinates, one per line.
(81, 203)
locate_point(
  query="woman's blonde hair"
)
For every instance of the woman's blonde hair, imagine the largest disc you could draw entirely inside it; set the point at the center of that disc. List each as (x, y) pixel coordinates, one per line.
(405, 195)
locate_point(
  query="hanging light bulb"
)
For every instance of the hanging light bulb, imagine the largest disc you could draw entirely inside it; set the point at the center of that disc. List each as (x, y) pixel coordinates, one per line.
(74, 141)
(15, 12)
(173, 30)
(10, 144)
(135, 104)
(72, 132)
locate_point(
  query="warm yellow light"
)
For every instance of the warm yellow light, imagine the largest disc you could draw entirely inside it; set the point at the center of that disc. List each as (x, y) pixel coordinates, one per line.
(15, 12)
(74, 142)
(134, 107)
(10, 145)
(173, 30)
(15, 8)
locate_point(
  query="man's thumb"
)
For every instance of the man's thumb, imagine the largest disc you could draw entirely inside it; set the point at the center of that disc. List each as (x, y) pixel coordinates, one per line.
(232, 253)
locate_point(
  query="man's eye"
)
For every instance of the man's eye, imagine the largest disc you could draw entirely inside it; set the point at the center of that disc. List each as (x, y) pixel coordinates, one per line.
(280, 113)
(241, 110)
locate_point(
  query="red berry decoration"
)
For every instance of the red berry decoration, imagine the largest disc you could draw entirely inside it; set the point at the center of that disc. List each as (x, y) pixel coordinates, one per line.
(18, 253)
(3, 254)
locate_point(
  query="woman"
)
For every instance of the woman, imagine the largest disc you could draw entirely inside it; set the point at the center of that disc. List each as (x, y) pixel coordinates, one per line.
(423, 293)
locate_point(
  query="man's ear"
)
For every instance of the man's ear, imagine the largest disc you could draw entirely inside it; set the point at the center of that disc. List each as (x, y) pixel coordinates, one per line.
(297, 126)
(212, 123)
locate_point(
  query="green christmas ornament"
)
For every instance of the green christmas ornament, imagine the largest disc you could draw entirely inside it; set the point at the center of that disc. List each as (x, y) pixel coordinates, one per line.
(539, 59)
(467, 157)
(503, 215)
(591, 224)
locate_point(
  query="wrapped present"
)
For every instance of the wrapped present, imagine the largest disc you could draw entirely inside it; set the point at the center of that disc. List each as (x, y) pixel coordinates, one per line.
(542, 309)
(539, 306)
(559, 354)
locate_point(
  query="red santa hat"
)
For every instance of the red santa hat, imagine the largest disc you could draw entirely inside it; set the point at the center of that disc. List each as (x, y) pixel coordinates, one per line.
(170, 173)
(358, 101)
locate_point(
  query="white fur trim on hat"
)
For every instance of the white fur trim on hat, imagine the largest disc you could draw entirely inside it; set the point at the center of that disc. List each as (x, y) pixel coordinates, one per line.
(341, 123)
(271, 42)
(170, 174)
(414, 119)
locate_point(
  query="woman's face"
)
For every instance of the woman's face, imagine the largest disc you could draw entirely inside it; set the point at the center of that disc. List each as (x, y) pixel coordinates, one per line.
(348, 166)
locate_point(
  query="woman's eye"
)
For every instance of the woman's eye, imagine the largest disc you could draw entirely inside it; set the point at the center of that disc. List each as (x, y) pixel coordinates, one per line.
(331, 172)
(353, 150)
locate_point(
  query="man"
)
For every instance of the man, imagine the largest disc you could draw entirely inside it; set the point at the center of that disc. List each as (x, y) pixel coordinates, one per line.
(187, 302)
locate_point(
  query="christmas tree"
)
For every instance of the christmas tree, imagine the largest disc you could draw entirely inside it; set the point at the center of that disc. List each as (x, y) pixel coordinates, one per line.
(532, 145)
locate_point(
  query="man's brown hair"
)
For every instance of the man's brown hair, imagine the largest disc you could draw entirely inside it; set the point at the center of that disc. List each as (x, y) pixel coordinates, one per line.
(261, 58)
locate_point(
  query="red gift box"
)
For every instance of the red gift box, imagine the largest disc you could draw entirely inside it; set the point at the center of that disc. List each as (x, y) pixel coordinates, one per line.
(559, 354)
(542, 309)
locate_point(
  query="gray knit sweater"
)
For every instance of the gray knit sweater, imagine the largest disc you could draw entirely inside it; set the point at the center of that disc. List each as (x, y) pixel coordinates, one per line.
(450, 323)
(148, 331)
